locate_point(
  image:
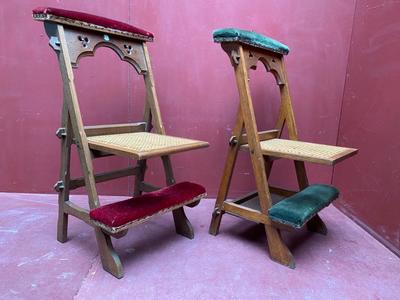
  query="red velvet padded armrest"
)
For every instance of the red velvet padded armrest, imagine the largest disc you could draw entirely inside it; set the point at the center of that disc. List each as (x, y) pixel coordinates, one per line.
(123, 212)
(92, 19)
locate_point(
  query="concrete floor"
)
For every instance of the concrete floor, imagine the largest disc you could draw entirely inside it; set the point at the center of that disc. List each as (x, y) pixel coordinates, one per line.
(346, 264)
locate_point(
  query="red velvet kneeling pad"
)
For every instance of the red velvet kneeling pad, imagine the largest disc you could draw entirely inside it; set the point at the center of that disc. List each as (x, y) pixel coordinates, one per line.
(123, 212)
(93, 19)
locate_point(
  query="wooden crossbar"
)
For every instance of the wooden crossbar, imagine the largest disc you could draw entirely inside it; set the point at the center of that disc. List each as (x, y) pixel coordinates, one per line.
(114, 128)
(106, 176)
(262, 136)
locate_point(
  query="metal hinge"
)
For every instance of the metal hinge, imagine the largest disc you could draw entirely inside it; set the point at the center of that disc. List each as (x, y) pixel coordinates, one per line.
(77, 143)
(59, 186)
(233, 141)
(61, 133)
(54, 43)
(235, 56)
(217, 212)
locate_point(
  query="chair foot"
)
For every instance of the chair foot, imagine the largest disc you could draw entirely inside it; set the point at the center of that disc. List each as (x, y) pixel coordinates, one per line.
(215, 222)
(62, 227)
(317, 225)
(109, 258)
(182, 224)
(278, 251)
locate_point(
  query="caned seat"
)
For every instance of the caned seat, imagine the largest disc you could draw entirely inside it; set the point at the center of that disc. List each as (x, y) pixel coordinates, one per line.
(74, 35)
(142, 145)
(304, 151)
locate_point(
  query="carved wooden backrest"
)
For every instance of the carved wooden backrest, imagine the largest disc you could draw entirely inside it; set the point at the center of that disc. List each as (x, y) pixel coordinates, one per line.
(82, 42)
(274, 63)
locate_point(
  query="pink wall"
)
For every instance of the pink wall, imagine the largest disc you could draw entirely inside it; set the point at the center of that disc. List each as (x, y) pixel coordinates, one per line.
(370, 122)
(194, 79)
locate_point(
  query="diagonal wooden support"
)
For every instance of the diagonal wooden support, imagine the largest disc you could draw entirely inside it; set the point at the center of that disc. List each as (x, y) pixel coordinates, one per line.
(228, 172)
(182, 223)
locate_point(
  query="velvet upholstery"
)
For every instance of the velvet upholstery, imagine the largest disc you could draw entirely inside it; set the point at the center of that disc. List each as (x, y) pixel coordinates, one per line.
(250, 38)
(92, 19)
(123, 212)
(298, 209)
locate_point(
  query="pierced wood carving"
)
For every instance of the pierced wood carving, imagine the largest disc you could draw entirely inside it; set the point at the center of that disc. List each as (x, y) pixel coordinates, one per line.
(81, 44)
(271, 60)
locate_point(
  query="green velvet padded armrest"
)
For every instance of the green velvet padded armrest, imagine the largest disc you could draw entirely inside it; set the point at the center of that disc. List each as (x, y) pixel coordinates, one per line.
(298, 209)
(249, 37)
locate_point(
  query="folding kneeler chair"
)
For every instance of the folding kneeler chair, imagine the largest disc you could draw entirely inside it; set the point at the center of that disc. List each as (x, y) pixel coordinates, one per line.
(74, 35)
(291, 209)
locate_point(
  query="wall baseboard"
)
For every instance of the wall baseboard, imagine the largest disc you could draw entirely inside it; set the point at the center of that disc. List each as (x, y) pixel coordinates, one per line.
(372, 232)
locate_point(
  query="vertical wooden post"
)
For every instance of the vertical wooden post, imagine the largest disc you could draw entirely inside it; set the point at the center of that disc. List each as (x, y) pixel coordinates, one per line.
(142, 164)
(182, 223)
(151, 95)
(63, 194)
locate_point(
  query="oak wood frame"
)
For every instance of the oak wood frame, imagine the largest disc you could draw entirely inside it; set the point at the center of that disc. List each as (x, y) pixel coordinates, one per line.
(243, 58)
(70, 44)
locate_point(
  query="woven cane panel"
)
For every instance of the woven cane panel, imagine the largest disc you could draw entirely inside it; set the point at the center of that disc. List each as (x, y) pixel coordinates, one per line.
(303, 149)
(141, 141)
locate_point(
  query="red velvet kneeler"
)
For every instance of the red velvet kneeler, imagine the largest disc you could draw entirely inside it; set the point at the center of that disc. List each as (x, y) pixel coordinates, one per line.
(92, 19)
(127, 211)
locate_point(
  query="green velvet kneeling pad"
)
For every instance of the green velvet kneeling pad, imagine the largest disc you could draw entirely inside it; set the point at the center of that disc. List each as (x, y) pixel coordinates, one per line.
(298, 209)
(249, 37)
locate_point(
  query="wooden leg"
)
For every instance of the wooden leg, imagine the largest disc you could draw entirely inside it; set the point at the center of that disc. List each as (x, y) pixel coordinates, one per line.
(268, 165)
(301, 174)
(216, 218)
(278, 251)
(62, 226)
(109, 258)
(63, 194)
(182, 223)
(227, 175)
(142, 164)
(317, 225)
